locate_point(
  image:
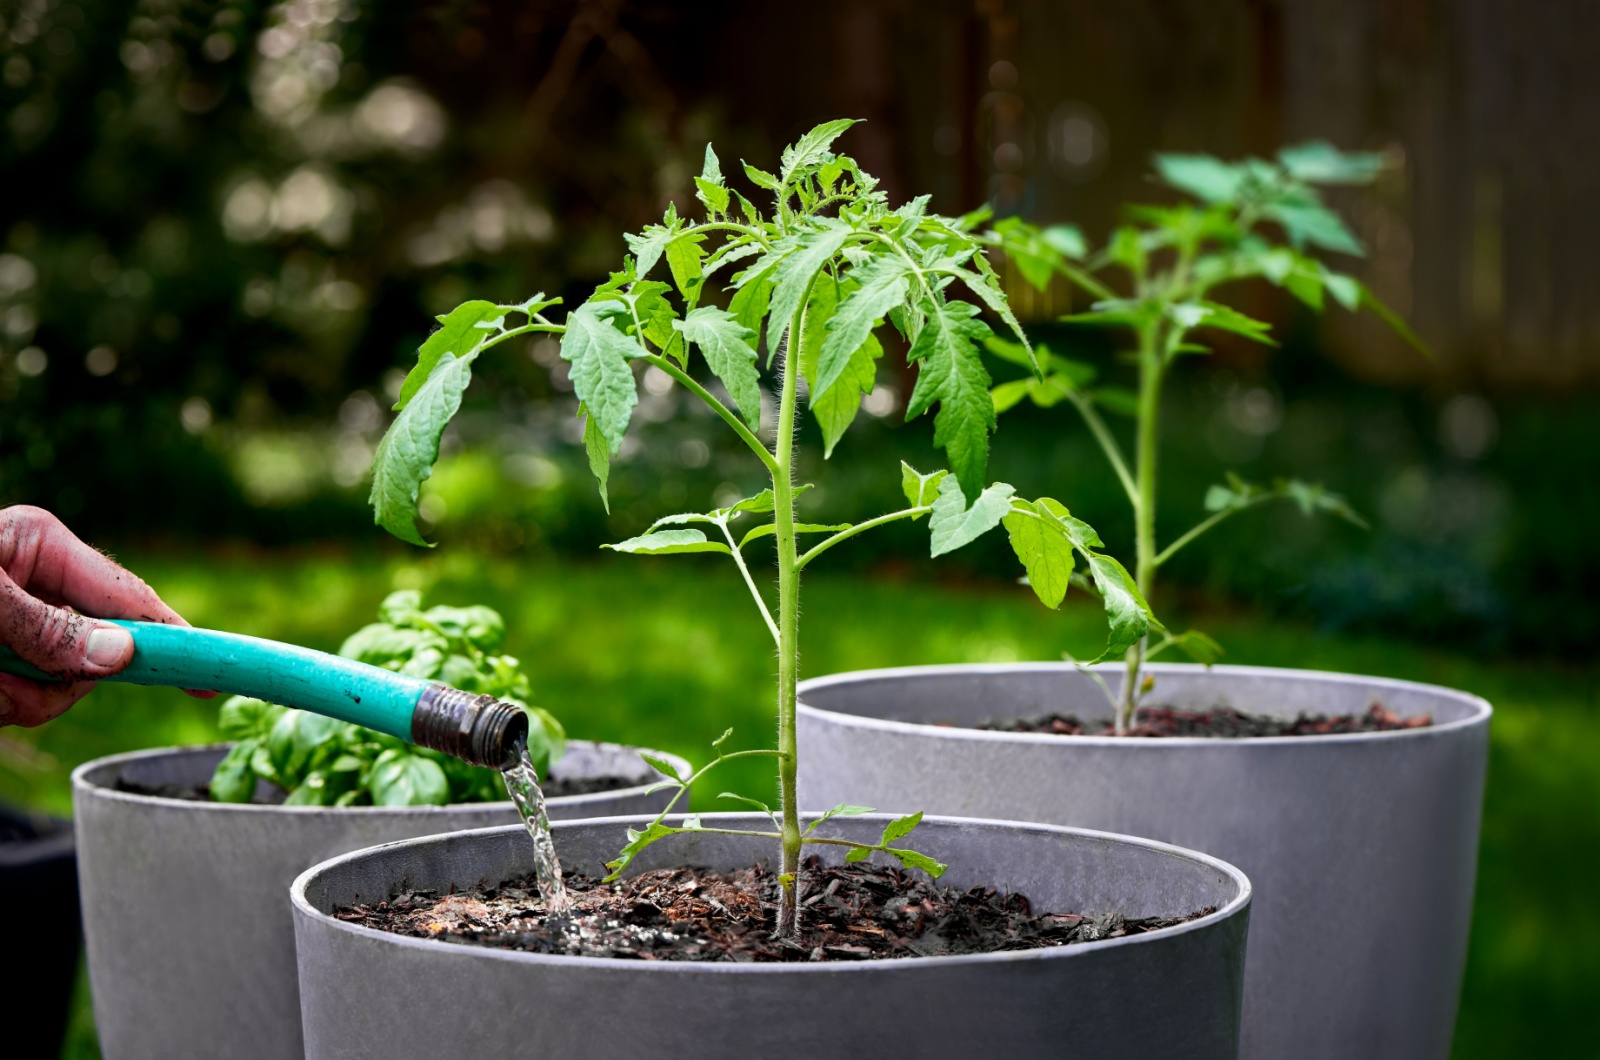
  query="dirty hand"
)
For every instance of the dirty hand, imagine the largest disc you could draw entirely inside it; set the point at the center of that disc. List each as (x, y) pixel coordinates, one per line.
(48, 576)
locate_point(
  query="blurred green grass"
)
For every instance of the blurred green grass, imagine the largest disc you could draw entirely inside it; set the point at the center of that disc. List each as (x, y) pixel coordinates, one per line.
(651, 652)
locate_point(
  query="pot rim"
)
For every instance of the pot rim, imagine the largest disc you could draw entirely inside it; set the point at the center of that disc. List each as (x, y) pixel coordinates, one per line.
(83, 784)
(1234, 907)
(1481, 709)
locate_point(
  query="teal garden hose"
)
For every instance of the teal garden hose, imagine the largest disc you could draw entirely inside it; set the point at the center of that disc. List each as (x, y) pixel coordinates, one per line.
(478, 728)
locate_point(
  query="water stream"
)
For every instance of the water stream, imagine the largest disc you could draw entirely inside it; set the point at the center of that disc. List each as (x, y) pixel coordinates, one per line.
(522, 784)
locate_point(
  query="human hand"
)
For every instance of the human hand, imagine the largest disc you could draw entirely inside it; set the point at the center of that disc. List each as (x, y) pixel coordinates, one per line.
(47, 577)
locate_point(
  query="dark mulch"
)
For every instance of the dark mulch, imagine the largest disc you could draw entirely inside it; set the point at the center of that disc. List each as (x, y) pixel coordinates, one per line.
(1221, 722)
(855, 912)
(267, 795)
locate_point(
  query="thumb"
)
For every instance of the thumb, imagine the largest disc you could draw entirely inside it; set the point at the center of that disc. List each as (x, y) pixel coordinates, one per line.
(60, 642)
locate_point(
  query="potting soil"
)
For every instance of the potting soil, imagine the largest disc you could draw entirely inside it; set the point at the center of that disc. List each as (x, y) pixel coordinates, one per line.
(1219, 722)
(857, 912)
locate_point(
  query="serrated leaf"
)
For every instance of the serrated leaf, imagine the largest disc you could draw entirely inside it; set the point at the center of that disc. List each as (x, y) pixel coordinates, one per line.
(882, 286)
(1197, 646)
(1044, 550)
(900, 827)
(660, 765)
(1314, 224)
(598, 451)
(812, 148)
(793, 276)
(648, 246)
(1126, 609)
(726, 345)
(1206, 178)
(668, 542)
(409, 448)
(761, 178)
(637, 841)
(950, 371)
(952, 524)
(684, 255)
(837, 409)
(763, 807)
(920, 490)
(749, 303)
(711, 190)
(911, 859)
(601, 375)
(459, 334)
(1225, 318)
(855, 854)
(1319, 162)
(988, 291)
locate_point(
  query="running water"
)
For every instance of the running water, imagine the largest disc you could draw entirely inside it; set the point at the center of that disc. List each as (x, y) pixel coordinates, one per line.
(522, 784)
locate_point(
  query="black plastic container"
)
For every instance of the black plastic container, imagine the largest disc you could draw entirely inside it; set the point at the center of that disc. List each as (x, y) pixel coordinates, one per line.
(44, 935)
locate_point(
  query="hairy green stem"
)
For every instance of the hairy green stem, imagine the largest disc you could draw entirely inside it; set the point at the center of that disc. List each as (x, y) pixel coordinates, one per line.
(1144, 508)
(1108, 444)
(744, 571)
(788, 621)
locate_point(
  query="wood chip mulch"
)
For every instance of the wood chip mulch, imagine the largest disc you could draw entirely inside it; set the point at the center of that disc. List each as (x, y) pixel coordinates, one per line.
(858, 912)
(1220, 722)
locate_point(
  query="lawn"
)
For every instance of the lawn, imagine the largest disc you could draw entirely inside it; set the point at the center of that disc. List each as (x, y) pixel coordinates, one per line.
(641, 650)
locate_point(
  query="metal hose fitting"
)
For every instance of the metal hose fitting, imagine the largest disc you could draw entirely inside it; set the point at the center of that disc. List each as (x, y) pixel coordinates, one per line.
(475, 728)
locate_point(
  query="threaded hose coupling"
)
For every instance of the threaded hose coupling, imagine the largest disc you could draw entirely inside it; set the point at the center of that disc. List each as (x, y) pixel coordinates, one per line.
(475, 728)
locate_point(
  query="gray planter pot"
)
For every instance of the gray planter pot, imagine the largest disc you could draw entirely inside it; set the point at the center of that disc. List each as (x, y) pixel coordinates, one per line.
(186, 904)
(365, 993)
(1362, 848)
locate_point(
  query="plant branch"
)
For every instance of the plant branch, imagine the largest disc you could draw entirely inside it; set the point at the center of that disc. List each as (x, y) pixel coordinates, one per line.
(1108, 443)
(689, 383)
(744, 571)
(829, 542)
(1206, 524)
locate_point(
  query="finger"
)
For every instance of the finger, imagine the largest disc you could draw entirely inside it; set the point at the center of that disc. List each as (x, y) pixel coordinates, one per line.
(28, 703)
(62, 643)
(42, 556)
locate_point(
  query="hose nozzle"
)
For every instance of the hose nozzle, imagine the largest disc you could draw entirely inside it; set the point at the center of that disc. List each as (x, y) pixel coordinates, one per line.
(475, 728)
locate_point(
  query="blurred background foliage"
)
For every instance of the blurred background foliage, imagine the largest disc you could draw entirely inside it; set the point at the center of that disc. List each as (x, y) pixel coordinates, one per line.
(227, 223)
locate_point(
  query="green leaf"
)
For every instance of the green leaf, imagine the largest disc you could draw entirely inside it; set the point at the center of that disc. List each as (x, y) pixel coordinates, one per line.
(599, 355)
(1319, 162)
(648, 246)
(763, 807)
(234, 780)
(668, 542)
(812, 148)
(920, 490)
(1314, 224)
(684, 255)
(858, 854)
(726, 345)
(1394, 320)
(599, 452)
(883, 283)
(400, 778)
(710, 188)
(1197, 646)
(792, 278)
(1008, 394)
(1120, 400)
(837, 409)
(1044, 550)
(407, 453)
(240, 718)
(1206, 178)
(720, 740)
(381, 643)
(950, 371)
(460, 333)
(913, 860)
(1126, 610)
(637, 841)
(1226, 319)
(761, 178)
(749, 303)
(953, 524)
(900, 827)
(660, 765)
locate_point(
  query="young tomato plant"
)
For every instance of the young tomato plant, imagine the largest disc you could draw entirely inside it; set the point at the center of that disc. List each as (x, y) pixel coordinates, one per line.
(1156, 278)
(820, 270)
(321, 761)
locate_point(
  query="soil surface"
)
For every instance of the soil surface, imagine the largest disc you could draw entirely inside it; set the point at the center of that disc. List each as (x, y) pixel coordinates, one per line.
(855, 912)
(266, 795)
(1220, 722)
